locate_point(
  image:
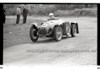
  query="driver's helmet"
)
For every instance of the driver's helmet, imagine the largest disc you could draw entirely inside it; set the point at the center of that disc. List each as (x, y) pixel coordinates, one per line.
(51, 14)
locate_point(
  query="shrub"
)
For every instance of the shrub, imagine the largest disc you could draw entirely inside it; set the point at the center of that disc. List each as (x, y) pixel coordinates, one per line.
(77, 12)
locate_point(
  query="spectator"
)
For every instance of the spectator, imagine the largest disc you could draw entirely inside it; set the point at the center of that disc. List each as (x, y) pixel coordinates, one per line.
(18, 15)
(4, 15)
(25, 12)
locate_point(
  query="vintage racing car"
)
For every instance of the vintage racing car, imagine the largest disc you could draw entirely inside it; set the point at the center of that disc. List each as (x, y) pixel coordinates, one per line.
(54, 29)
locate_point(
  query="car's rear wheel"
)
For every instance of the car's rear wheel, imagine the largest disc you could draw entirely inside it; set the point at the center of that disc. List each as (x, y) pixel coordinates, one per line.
(66, 29)
(73, 30)
(58, 33)
(77, 28)
(33, 34)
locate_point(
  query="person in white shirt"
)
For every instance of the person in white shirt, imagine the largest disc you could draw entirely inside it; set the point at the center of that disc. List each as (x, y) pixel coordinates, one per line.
(18, 12)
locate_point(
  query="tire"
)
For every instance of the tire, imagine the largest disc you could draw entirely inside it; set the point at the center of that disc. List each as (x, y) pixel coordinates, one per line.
(66, 28)
(33, 34)
(77, 28)
(58, 33)
(73, 30)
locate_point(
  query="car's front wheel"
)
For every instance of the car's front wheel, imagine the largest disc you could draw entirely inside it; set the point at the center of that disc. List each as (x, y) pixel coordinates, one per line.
(33, 34)
(58, 33)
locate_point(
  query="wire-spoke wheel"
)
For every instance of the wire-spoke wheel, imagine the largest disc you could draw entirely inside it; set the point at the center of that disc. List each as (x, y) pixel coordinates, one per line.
(73, 30)
(33, 34)
(67, 29)
(58, 33)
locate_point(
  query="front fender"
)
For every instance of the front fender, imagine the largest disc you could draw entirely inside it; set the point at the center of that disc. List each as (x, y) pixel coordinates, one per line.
(35, 25)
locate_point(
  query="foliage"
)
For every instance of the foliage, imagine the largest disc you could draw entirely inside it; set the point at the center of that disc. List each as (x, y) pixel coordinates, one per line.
(58, 9)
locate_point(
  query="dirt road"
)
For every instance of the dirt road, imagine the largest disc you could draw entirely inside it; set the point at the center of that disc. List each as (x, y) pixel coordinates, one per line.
(20, 50)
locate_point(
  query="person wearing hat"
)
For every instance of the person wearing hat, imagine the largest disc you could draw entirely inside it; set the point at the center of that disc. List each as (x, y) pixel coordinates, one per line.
(51, 16)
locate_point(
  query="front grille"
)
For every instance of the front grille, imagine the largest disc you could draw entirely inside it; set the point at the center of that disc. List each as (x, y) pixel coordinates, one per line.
(42, 31)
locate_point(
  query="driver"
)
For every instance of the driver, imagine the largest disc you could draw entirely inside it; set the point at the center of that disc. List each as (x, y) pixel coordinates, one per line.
(51, 16)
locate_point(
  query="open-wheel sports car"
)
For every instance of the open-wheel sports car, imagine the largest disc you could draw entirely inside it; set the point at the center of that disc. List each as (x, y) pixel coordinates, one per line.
(54, 29)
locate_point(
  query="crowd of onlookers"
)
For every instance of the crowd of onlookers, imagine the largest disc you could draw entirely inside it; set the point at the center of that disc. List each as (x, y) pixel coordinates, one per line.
(24, 12)
(19, 11)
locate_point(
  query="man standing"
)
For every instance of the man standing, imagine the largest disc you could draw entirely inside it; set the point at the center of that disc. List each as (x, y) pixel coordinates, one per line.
(4, 15)
(25, 12)
(18, 15)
